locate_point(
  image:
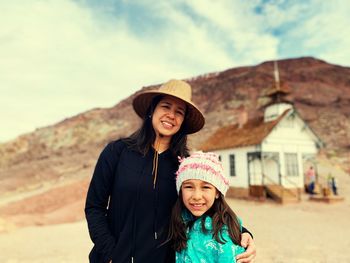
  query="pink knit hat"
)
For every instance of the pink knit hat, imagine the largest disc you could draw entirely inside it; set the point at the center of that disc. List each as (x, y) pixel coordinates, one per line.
(205, 167)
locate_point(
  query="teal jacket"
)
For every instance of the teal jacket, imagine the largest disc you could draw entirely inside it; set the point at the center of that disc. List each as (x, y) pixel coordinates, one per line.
(203, 248)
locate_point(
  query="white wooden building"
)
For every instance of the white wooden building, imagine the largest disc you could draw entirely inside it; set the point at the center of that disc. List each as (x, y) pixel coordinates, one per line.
(273, 150)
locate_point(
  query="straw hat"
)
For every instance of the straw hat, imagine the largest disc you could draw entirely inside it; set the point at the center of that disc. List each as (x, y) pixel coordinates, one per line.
(194, 119)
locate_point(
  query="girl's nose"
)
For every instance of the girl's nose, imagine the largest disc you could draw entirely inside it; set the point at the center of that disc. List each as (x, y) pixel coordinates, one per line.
(196, 195)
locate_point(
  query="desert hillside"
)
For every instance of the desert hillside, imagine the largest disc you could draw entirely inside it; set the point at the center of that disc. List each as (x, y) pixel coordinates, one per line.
(44, 174)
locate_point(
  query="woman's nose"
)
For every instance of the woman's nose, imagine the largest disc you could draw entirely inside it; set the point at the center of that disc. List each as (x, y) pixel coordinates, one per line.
(171, 114)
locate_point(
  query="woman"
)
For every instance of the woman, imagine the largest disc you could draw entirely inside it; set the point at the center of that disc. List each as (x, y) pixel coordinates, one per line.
(132, 190)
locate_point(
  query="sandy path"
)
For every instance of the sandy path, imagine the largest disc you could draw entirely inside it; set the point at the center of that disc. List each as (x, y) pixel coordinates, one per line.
(55, 243)
(307, 232)
(304, 232)
(296, 233)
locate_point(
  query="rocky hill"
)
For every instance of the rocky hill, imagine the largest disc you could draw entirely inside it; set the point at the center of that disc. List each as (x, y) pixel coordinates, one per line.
(66, 152)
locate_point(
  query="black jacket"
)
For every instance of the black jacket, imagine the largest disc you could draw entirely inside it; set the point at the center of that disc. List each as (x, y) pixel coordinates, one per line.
(135, 224)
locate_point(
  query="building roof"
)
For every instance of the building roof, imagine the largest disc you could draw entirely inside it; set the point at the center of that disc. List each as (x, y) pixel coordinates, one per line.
(282, 89)
(252, 133)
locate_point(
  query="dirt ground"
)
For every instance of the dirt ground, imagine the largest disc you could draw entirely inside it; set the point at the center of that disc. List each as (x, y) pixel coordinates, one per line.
(302, 232)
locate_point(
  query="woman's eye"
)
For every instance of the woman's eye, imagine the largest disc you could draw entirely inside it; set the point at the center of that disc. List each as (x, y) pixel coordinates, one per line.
(180, 113)
(187, 186)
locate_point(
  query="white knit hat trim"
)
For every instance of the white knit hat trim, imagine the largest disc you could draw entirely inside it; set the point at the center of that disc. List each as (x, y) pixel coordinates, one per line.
(205, 167)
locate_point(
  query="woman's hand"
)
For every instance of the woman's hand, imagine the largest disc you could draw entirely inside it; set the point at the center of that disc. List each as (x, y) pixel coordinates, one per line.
(248, 243)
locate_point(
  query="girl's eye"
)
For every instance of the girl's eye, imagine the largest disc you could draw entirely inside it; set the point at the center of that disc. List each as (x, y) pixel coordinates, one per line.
(180, 113)
(187, 186)
(207, 187)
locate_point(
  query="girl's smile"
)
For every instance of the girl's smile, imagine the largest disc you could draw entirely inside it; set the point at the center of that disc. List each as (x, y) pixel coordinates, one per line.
(198, 196)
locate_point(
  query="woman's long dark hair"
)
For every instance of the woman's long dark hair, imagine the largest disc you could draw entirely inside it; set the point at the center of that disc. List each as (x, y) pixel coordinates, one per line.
(221, 215)
(143, 139)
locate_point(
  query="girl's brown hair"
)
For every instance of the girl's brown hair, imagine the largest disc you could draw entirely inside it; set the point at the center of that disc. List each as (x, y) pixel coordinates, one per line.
(221, 215)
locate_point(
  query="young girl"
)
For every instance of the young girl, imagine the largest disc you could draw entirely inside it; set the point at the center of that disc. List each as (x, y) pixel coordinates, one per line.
(203, 228)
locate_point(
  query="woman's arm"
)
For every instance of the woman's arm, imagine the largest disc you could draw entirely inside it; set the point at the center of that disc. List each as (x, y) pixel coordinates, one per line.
(247, 242)
(244, 230)
(97, 200)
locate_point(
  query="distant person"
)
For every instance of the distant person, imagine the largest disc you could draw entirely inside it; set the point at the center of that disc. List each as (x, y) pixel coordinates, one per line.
(133, 190)
(311, 178)
(332, 182)
(203, 228)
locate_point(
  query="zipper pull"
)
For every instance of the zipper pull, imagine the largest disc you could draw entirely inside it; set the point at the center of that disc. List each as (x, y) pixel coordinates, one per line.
(155, 236)
(132, 259)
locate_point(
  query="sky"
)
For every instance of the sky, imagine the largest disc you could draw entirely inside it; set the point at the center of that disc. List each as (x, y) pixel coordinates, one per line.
(59, 58)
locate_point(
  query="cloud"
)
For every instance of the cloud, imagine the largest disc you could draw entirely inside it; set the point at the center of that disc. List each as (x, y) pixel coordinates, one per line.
(60, 58)
(309, 28)
(327, 32)
(220, 33)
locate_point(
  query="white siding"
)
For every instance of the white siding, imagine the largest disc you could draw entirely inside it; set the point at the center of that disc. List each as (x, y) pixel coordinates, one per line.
(271, 169)
(290, 136)
(273, 111)
(241, 165)
(255, 172)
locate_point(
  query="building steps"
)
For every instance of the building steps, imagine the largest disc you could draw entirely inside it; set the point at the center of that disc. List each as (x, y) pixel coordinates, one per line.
(281, 194)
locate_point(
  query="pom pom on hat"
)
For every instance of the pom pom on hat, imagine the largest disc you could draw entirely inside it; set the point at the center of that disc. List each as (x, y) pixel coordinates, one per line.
(205, 167)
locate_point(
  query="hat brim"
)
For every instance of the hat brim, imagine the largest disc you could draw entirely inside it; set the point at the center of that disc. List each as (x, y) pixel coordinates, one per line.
(194, 119)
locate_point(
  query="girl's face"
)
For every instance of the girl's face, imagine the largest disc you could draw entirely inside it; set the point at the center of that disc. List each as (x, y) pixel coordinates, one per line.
(198, 196)
(168, 116)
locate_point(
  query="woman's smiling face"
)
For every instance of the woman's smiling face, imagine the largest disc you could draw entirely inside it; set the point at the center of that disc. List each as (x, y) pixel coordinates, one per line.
(168, 116)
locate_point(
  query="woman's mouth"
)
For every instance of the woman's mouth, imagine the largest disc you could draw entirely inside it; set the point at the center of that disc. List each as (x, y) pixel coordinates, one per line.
(167, 125)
